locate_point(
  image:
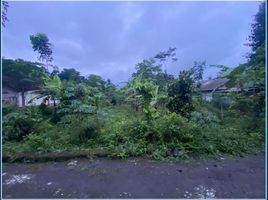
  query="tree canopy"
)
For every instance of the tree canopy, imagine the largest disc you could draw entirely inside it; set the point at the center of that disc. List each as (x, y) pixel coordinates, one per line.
(257, 37)
(19, 74)
(41, 44)
(70, 75)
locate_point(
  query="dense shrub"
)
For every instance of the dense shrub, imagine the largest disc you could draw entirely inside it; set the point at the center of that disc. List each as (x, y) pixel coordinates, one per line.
(45, 110)
(6, 109)
(38, 143)
(17, 125)
(204, 119)
(124, 133)
(80, 128)
(174, 128)
(180, 94)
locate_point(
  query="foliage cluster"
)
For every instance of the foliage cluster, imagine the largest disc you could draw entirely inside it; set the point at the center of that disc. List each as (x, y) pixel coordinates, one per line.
(155, 114)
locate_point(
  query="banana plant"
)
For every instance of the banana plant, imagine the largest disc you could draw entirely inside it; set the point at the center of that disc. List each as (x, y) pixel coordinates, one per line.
(51, 89)
(147, 93)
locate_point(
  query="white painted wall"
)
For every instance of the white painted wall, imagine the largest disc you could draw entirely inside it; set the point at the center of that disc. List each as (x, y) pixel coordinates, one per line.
(207, 96)
(9, 95)
(30, 95)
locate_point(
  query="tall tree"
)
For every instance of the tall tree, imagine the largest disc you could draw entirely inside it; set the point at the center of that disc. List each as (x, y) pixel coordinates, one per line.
(70, 75)
(95, 81)
(22, 75)
(180, 94)
(197, 71)
(182, 90)
(148, 69)
(41, 44)
(110, 92)
(165, 56)
(255, 68)
(252, 73)
(152, 71)
(257, 37)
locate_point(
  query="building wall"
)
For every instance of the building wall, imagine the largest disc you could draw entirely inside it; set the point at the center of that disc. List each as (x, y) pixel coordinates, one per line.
(225, 100)
(207, 96)
(29, 95)
(9, 96)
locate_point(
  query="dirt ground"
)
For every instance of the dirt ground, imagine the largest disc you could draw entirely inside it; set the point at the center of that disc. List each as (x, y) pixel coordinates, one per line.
(242, 177)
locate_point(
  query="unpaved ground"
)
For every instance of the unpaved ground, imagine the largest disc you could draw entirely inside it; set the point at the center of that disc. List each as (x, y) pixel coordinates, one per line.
(136, 178)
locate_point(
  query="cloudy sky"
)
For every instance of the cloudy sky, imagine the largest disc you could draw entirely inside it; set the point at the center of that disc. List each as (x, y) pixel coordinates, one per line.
(109, 38)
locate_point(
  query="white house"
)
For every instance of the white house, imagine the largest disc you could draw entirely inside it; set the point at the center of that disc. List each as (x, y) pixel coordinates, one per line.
(11, 96)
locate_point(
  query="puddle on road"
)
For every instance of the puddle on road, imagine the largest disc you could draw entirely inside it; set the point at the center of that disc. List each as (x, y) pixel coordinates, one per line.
(72, 163)
(58, 192)
(49, 183)
(135, 162)
(201, 192)
(125, 194)
(14, 179)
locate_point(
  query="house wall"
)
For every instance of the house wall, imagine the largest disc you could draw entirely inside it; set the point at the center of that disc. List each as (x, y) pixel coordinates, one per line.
(225, 101)
(9, 96)
(207, 96)
(29, 95)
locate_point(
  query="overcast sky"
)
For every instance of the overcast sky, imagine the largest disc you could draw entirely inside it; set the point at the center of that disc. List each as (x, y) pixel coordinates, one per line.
(109, 38)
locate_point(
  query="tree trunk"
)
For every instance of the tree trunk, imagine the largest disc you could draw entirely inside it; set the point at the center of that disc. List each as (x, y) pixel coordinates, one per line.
(54, 102)
(22, 97)
(221, 112)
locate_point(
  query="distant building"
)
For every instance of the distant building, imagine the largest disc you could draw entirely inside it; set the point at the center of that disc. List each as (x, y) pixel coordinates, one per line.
(11, 96)
(209, 87)
(218, 86)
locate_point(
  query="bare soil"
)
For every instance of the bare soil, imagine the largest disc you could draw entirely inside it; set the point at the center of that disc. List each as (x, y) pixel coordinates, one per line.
(242, 177)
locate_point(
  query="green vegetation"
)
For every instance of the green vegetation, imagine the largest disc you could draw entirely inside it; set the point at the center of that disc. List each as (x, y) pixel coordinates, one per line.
(155, 114)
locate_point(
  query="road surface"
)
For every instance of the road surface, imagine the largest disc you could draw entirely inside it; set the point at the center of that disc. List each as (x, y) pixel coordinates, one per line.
(242, 177)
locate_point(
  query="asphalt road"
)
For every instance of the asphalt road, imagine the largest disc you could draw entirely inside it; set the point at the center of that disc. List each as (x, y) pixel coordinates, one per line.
(137, 178)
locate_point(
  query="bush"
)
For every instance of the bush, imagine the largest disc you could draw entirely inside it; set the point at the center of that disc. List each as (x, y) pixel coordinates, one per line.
(174, 128)
(81, 128)
(45, 110)
(6, 109)
(17, 125)
(204, 119)
(143, 130)
(123, 133)
(38, 143)
(180, 94)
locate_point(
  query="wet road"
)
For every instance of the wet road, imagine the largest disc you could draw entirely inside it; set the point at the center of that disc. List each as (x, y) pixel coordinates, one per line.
(136, 178)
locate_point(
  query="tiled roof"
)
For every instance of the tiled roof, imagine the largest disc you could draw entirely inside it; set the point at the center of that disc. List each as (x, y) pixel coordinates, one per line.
(212, 84)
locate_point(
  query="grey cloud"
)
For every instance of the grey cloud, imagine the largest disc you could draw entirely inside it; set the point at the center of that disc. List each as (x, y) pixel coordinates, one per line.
(109, 38)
